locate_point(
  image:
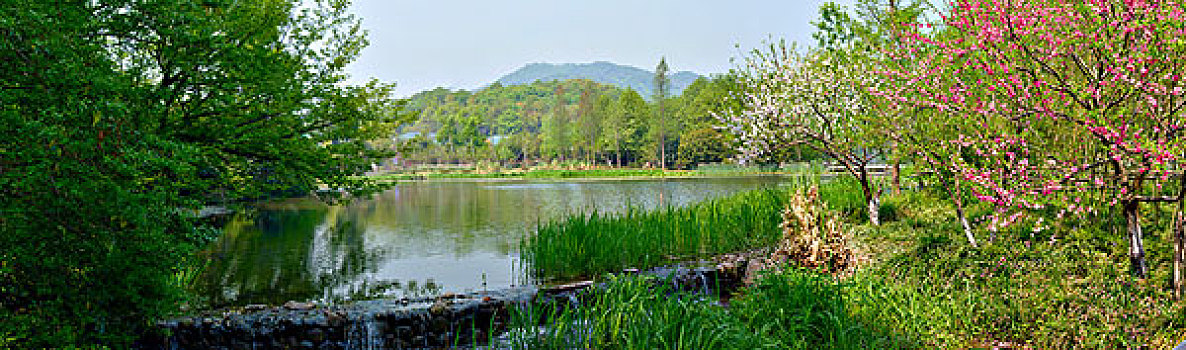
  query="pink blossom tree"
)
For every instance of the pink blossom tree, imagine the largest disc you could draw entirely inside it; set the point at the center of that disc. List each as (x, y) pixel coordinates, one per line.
(1061, 105)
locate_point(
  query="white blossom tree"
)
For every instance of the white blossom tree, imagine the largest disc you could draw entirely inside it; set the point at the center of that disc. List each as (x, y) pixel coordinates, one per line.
(820, 100)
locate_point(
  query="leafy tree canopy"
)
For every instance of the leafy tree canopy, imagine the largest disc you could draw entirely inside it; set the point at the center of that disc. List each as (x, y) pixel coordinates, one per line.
(122, 117)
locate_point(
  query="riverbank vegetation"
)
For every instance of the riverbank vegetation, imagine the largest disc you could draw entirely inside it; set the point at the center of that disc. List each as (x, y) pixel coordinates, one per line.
(1051, 210)
(579, 170)
(918, 287)
(1047, 138)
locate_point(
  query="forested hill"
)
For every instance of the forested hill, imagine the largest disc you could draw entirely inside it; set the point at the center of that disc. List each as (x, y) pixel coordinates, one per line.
(565, 120)
(621, 76)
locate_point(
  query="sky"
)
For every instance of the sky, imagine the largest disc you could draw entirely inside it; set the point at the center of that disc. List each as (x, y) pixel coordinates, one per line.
(460, 44)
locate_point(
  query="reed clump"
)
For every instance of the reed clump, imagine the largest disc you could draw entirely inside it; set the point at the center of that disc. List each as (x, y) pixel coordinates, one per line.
(581, 245)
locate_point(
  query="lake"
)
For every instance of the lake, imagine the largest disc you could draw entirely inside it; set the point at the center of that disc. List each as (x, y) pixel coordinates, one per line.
(418, 238)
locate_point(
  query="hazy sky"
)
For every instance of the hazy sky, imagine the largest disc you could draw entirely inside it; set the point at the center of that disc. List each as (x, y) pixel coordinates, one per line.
(423, 44)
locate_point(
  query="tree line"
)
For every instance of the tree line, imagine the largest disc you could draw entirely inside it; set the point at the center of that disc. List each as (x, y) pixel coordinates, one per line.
(571, 121)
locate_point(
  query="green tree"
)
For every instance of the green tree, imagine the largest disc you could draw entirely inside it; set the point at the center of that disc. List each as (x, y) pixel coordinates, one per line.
(556, 142)
(602, 110)
(471, 135)
(587, 129)
(623, 126)
(660, 129)
(121, 118)
(703, 145)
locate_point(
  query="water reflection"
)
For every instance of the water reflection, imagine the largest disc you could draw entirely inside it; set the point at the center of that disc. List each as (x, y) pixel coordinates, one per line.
(416, 239)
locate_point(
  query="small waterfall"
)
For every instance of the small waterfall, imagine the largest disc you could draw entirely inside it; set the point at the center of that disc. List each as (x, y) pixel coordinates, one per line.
(703, 282)
(572, 300)
(364, 333)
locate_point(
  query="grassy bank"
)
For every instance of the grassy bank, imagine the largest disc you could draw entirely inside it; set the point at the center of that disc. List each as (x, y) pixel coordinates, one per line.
(1061, 288)
(595, 172)
(924, 287)
(792, 310)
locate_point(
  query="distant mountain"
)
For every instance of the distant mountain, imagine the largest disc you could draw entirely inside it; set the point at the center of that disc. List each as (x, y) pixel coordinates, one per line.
(639, 79)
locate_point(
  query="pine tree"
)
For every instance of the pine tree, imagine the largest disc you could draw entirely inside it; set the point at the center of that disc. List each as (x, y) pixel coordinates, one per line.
(662, 85)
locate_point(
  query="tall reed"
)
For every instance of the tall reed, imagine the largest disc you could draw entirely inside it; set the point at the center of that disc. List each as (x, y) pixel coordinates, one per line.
(586, 245)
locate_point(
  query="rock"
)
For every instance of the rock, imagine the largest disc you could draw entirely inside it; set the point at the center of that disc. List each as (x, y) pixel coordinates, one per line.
(294, 305)
(255, 307)
(439, 307)
(334, 318)
(570, 287)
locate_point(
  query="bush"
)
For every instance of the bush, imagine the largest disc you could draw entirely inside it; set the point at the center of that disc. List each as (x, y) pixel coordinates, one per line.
(99, 278)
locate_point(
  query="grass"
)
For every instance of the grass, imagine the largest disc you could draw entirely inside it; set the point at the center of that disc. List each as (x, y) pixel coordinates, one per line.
(630, 313)
(795, 309)
(608, 172)
(562, 173)
(588, 245)
(425, 176)
(1067, 287)
(1019, 289)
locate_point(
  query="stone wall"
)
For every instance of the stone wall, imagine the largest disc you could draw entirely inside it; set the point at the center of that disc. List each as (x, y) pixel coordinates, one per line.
(374, 324)
(445, 321)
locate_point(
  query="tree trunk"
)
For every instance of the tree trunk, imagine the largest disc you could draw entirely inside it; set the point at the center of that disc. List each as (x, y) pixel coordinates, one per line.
(662, 151)
(872, 197)
(1136, 245)
(896, 172)
(957, 198)
(1178, 240)
(874, 204)
(619, 157)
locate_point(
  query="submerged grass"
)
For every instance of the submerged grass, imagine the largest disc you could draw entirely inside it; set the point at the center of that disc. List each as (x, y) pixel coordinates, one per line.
(588, 245)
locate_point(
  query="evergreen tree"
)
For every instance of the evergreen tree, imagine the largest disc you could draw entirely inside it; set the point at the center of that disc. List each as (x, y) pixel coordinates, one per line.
(662, 86)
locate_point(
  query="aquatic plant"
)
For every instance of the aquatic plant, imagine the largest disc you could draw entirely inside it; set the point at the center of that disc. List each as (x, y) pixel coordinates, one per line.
(584, 245)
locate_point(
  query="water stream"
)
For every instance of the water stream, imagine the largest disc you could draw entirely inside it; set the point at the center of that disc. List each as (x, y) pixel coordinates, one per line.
(418, 239)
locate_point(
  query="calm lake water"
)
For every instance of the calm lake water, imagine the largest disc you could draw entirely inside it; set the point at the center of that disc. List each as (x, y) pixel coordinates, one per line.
(417, 239)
